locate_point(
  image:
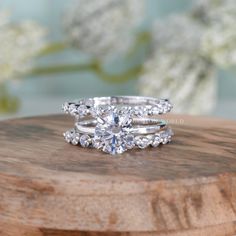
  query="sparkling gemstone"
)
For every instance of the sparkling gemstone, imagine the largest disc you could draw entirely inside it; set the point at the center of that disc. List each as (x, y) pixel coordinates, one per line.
(165, 140)
(156, 140)
(95, 111)
(97, 143)
(69, 135)
(169, 107)
(140, 111)
(88, 102)
(85, 140)
(112, 132)
(98, 111)
(130, 142)
(76, 138)
(165, 108)
(126, 110)
(160, 109)
(119, 149)
(149, 110)
(142, 141)
(166, 136)
(82, 110)
(73, 109)
(65, 107)
(155, 110)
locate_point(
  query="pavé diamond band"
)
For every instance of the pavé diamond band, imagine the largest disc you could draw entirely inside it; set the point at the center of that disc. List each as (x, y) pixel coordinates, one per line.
(116, 124)
(135, 105)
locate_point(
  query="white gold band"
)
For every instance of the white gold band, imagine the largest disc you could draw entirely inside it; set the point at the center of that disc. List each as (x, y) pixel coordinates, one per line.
(138, 106)
(116, 124)
(140, 126)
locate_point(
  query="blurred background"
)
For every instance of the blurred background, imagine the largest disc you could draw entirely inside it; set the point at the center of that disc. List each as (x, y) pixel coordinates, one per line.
(54, 51)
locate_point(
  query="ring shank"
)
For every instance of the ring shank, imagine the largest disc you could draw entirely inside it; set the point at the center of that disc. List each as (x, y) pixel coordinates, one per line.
(118, 123)
(123, 100)
(140, 126)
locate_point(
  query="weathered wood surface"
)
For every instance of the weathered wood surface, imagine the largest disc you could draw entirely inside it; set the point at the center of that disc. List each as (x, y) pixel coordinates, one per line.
(227, 229)
(50, 188)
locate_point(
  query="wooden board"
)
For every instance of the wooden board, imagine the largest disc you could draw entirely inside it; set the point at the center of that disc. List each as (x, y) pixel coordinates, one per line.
(48, 187)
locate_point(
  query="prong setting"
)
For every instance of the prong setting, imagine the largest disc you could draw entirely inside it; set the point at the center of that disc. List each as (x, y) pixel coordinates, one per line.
(114, 129)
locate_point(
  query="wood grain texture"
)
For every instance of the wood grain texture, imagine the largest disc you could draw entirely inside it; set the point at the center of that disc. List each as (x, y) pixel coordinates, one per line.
(226, 229)
(50, 188)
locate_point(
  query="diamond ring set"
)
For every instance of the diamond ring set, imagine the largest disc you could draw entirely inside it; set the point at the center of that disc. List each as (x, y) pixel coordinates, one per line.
(119, 123)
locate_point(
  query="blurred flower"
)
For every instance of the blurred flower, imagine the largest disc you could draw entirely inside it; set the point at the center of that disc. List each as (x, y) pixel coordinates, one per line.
(103, 28)
(202, 9)
(219, 40)
(178, 33)
(176, 69)
(19, 43)
(4, 15)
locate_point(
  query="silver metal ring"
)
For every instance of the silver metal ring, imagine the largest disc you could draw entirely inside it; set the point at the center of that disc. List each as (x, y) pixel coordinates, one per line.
(137, 106)
(140, 126)
(116, 124)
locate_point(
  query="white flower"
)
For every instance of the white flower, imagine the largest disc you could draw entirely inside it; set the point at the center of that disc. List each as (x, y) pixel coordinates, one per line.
(219, 40)
(103, 28)
(18, 44)
(177, 33)
(177, 70)
(202, 10)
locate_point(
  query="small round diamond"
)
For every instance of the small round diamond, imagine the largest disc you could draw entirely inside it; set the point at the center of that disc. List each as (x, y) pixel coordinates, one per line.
(156, 140)
(75, 140)
(85, 140)
(88, 102)
(65, 107)
(166, 136)
(142, 141)
(73, 109)
(165, 140)
(149, 110)
(82, 110)
(155, 110)
(126, 110)
(69, 135)
(169, 107)
(140, 111)
(160, 109)
(98, 111)
(165, 108)
(129, 140)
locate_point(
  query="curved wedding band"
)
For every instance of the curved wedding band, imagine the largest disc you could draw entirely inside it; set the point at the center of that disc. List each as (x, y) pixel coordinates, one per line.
(116, 124)
(137, 106)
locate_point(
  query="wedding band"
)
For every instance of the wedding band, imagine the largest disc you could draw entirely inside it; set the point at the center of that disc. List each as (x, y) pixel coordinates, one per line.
(116, 124)
(137, 106)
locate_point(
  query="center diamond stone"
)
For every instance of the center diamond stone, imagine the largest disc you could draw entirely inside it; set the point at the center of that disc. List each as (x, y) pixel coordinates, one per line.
(113, 132)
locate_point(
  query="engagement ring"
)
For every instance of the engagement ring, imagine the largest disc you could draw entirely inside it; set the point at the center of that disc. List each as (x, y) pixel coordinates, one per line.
(116, 124)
